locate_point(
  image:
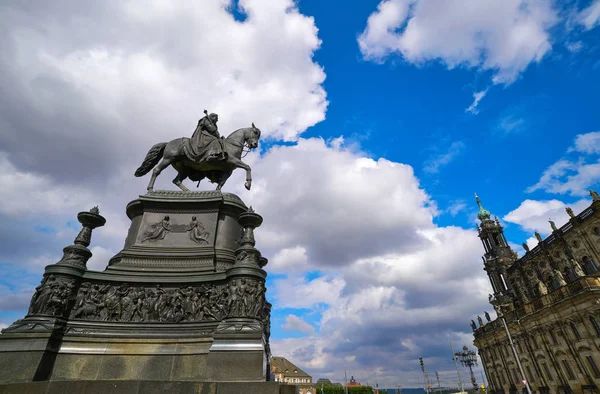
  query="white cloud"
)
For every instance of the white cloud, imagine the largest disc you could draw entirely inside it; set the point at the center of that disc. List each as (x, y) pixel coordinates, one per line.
(590, 16)
(143, 72)
(99, 259)
(573, 176)
(477, 96)
(289, 260)
(587, 143)
(90, 87)
(298, 292)
(294, 323)
(376, 265)
(434, 164)
(574, 46)
(29, 193)
(85, 104)
(456, 207)
(511, 124)
(534, 215)
(503, 36)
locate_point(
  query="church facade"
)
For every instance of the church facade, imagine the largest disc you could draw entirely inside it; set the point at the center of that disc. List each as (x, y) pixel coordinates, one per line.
(550, 301)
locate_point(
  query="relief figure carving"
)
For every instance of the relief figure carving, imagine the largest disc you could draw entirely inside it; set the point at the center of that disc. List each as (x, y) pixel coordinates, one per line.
(52, 296)
(241, 297)
(157, 231)
(197, 231)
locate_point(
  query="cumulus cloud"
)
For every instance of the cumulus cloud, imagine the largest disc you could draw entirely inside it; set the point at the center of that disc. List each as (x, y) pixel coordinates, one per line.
(505, 37)
(87, 91)
(91, 87)
(587, 143)
(28, 193)
(299, 292)
(573, 175)
(376, 266)
(289, 260)
(294, 323)
(534, 215)
(88, 88)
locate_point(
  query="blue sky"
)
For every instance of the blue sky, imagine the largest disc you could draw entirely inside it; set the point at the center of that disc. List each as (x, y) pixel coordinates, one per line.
(380, 120)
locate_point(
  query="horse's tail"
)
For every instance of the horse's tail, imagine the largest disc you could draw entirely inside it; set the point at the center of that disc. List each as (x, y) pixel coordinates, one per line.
(152, 159)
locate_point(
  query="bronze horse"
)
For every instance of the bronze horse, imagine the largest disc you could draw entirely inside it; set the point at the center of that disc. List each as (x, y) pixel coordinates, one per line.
(218, 172)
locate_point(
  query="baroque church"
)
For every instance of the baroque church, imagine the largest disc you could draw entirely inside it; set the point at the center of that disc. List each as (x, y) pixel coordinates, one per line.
(550, 302)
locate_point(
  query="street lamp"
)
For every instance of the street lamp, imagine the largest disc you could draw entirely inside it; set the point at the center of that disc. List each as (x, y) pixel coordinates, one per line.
(512, 346)
(468, 358)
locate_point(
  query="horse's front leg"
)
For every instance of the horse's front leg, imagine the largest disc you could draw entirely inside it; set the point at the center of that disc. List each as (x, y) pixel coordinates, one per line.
(240, 164)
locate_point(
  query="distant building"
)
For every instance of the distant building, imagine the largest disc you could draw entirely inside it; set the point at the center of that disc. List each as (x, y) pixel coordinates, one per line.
(324, 382)
(353, 382)
(284, 371)
(549, 298)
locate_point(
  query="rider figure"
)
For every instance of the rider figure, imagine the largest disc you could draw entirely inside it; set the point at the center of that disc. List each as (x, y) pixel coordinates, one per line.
(206, 142)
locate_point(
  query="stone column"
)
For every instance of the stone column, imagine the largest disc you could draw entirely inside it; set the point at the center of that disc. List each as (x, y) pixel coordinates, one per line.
(242, 333)
(51, 305)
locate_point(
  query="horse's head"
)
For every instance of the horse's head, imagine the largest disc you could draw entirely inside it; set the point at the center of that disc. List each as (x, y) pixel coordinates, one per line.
(253, 137)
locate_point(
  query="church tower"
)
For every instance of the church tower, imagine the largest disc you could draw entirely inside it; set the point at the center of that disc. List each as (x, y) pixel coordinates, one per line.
(498, 255)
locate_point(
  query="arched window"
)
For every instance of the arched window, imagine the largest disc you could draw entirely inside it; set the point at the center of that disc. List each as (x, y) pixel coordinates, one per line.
(595, 325)
(589, 266)
(575, 331)
(569, 274)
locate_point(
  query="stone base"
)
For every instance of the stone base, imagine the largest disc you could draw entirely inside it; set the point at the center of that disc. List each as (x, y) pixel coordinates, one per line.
(28, 358)
(183, 302)
(145, 387)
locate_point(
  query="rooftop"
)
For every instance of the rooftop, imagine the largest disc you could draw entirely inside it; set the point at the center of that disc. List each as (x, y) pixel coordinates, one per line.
(286, 367)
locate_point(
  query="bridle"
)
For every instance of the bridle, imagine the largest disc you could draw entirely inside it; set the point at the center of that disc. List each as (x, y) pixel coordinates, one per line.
(245, 147)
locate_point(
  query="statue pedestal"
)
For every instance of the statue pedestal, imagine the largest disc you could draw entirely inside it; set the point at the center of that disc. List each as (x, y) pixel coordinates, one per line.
(184, 301)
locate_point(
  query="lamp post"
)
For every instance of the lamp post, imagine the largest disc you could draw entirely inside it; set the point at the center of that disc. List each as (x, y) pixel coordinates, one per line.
(423, 371)
(512, 346)
(468, 358)
(462, 389)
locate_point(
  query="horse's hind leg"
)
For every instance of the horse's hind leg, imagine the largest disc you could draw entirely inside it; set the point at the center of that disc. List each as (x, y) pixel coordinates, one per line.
(164, 163)
(181, 175)
(224, 176)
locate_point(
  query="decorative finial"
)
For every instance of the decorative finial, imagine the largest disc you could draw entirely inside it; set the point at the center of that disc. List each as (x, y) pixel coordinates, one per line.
(250, 209)
(95, 210)
(594, 195)
(525, 247)
(483, 213)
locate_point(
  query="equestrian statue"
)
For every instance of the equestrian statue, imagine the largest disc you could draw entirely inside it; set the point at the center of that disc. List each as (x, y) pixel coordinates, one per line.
(205, 155)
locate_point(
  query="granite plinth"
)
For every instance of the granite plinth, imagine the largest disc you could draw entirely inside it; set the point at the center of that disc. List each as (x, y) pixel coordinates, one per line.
(184, 301)
(145, 387)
